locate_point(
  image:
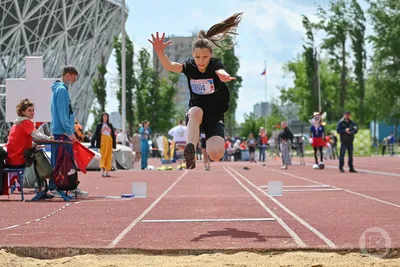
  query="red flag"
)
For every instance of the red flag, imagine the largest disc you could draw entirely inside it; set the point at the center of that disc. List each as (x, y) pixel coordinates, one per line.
(83, 155)
(264, 72)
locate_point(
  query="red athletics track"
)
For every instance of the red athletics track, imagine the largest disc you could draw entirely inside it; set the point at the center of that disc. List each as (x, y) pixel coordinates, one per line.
(332, 218)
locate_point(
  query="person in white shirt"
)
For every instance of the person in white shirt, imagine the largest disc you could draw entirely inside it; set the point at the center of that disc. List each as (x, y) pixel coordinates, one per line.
(178, 134)
(122, 138)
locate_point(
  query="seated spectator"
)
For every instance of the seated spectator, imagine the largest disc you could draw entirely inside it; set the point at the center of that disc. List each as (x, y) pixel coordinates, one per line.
(21, 136)
(243, 145)
(228, 148)
(22, 133)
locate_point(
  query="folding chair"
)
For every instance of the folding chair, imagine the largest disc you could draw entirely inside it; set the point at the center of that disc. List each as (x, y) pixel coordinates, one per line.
(20, 171)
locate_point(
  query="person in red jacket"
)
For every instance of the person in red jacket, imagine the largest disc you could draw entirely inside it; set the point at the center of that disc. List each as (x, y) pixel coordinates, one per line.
(21, 136)
(22, 133)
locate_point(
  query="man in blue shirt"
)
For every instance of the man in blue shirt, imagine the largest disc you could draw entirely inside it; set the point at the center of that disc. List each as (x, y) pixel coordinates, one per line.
(63, 117)
(347, 129)
(391, 141)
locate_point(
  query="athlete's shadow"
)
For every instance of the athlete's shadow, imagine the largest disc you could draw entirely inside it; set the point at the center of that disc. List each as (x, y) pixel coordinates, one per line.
(232, 232)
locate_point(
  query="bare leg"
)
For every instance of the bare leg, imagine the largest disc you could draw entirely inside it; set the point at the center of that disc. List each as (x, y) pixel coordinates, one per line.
(216, 148)
(205, 159)
(195, 115)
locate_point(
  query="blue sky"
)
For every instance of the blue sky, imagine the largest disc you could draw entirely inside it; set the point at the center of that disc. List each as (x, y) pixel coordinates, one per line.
(270, 31)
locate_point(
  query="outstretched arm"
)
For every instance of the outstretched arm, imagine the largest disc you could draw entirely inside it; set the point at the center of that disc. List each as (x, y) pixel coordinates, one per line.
(224, 76)
(159, 46)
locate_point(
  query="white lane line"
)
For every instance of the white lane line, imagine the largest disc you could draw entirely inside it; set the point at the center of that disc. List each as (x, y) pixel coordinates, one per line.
(311, 190)
(306, 224)
(210, 220)
(299, 186)
(296, 238)
(144, 213)
(368, 171)
(344, 189)
(39, 219)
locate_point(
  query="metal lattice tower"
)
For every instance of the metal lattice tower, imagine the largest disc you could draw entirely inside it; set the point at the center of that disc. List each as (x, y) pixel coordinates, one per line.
(76, 32)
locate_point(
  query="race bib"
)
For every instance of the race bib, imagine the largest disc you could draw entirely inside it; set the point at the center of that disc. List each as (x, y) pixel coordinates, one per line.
(202, 86)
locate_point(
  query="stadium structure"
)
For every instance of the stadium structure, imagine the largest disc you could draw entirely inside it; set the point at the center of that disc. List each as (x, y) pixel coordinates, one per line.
(76, 32)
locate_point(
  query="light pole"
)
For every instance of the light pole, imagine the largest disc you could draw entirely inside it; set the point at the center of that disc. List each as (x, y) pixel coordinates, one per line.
(317, 58)
(123, 72)
(266, 103)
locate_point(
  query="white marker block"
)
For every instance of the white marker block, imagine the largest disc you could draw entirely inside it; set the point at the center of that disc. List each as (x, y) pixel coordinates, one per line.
(139, 189)
(275, 188)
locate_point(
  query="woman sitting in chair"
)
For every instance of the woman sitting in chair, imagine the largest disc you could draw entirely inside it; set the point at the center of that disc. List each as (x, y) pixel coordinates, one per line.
(21, 136)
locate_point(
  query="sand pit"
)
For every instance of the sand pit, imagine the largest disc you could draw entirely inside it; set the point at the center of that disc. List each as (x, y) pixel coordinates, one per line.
(242, 259)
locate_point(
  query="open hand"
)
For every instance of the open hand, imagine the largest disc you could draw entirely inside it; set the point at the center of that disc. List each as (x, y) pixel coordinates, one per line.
(72, 138)
(224, 76)
(158, 43)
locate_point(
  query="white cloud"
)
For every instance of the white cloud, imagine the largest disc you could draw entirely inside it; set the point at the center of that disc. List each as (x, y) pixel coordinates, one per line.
(275, 31)
(269, 15)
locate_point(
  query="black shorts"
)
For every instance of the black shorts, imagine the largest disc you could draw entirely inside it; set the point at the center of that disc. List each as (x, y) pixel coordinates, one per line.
(211, 128)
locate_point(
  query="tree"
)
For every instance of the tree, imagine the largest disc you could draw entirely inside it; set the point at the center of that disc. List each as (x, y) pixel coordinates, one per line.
(130, 78)
(231, 65)
(311, 63)
(154, 97)
(99, 85)
(305, 69)
(300, 94)
(357, 33)
(251, 124)
(385, 17)
(337, 26)
(145, 81)
(167, 112)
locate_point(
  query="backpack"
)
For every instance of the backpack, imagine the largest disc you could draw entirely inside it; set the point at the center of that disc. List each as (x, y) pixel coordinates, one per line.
(37, 167)
(65, 174)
